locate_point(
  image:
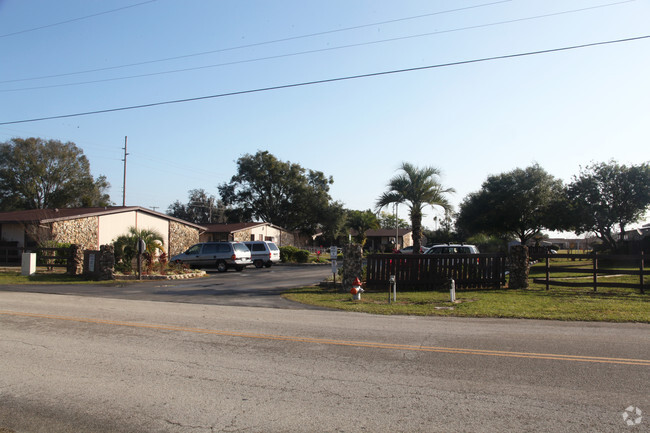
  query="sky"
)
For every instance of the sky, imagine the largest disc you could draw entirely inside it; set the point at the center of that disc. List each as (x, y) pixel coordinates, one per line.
(562, 109)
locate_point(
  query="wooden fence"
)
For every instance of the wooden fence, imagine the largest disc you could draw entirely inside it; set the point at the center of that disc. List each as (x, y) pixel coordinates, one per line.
(433, 271)
(53, 257)
(48, 257)
(10, 255)
(597, 267)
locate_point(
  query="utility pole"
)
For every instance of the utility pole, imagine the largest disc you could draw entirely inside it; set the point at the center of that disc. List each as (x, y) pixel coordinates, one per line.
(396, 228)
(124, 182)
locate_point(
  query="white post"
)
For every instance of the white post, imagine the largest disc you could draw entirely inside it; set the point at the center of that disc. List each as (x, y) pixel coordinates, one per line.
(452, 290)
(28, 264)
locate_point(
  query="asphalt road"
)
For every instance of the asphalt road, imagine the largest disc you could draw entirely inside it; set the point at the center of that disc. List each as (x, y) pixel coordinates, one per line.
(88, 364)
(252, 287)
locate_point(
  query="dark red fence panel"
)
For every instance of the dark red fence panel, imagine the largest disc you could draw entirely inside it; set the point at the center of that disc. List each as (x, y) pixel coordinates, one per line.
(433, 271)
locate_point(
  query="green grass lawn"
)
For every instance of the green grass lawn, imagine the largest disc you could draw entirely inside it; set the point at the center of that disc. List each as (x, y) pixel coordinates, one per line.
(613, 305)
(45, 277)
(607, 304)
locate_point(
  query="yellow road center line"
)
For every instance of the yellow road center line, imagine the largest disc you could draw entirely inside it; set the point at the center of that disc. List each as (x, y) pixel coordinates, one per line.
(367, 344)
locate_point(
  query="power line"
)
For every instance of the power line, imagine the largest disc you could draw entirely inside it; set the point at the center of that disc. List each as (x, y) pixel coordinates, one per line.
(279, 56)
(257, 44)
(331, 80)
(75, 19)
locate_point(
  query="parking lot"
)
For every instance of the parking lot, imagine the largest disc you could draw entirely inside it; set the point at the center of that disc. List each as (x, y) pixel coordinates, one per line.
(253, 287)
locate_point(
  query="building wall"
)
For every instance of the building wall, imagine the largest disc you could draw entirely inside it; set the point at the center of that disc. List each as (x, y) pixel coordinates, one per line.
(258, 233)
(114, 225)
(82, 231)
(181, 237)
(13, 233)
(152, 222)
(243, 235)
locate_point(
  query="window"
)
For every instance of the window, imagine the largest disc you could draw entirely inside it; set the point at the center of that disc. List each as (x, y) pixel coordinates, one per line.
(240, 248)
(194, 249)
(210, 249)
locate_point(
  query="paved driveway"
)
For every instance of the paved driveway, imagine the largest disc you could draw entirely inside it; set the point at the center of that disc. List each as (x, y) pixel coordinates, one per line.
(252, 287)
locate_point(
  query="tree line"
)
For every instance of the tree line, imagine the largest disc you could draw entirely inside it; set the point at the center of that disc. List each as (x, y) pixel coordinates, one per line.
(604, 198)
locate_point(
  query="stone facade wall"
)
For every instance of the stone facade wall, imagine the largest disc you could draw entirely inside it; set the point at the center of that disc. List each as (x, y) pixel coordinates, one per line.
(352, 264)
(83, 232)
(102, 264)
(106, 262)
(181, 237)
(76, 261)
(242, 236)
(519, 267)
(287, 239)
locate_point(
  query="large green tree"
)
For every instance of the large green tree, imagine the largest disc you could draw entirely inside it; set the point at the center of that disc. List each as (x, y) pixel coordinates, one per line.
(387, 221)
(516, 204)
(201, 208)
(278, 192)
(41, 174)
(417, 188)
(607, 196)
(332, 224)
(360, 222)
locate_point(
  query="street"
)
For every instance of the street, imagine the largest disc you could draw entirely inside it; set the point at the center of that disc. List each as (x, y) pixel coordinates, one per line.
(88, 364)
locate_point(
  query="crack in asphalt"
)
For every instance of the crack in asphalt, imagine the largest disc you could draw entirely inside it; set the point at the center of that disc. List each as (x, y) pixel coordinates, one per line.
(179, 424)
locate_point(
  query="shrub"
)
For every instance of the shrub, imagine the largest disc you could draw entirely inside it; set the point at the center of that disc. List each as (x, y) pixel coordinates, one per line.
(287, 253)
(302, 256)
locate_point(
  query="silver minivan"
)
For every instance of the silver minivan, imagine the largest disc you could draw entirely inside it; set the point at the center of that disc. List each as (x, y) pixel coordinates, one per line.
(222, 255)
(263, 253)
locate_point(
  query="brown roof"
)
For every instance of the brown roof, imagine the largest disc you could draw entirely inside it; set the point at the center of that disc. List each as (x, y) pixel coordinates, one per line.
(51, 215)
(232, 228)
(386, 232)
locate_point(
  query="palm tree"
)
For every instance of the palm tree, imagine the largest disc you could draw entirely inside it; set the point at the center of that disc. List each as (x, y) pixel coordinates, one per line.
(418, 188)
(126, 246)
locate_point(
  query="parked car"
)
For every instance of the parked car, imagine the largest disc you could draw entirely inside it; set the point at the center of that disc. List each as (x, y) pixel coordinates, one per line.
(222, 255)
(263, 253)
(409, 250)
(453, 249)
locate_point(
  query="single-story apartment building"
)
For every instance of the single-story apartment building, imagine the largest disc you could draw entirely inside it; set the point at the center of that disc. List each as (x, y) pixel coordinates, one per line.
(251, 231)
(384, 239)
(91, 227)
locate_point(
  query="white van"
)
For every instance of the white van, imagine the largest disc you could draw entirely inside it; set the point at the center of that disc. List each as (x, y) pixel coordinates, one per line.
(263, 253)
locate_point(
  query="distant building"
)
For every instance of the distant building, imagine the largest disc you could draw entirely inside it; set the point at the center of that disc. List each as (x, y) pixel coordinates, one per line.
(385, 239)
(252, 231)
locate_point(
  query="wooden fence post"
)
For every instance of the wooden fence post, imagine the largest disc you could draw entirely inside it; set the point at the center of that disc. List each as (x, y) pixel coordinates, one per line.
(548, 272)
(595, 263)
(641, 272)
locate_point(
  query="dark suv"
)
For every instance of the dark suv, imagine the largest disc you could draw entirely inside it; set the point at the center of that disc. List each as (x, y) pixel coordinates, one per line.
(222, 255)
